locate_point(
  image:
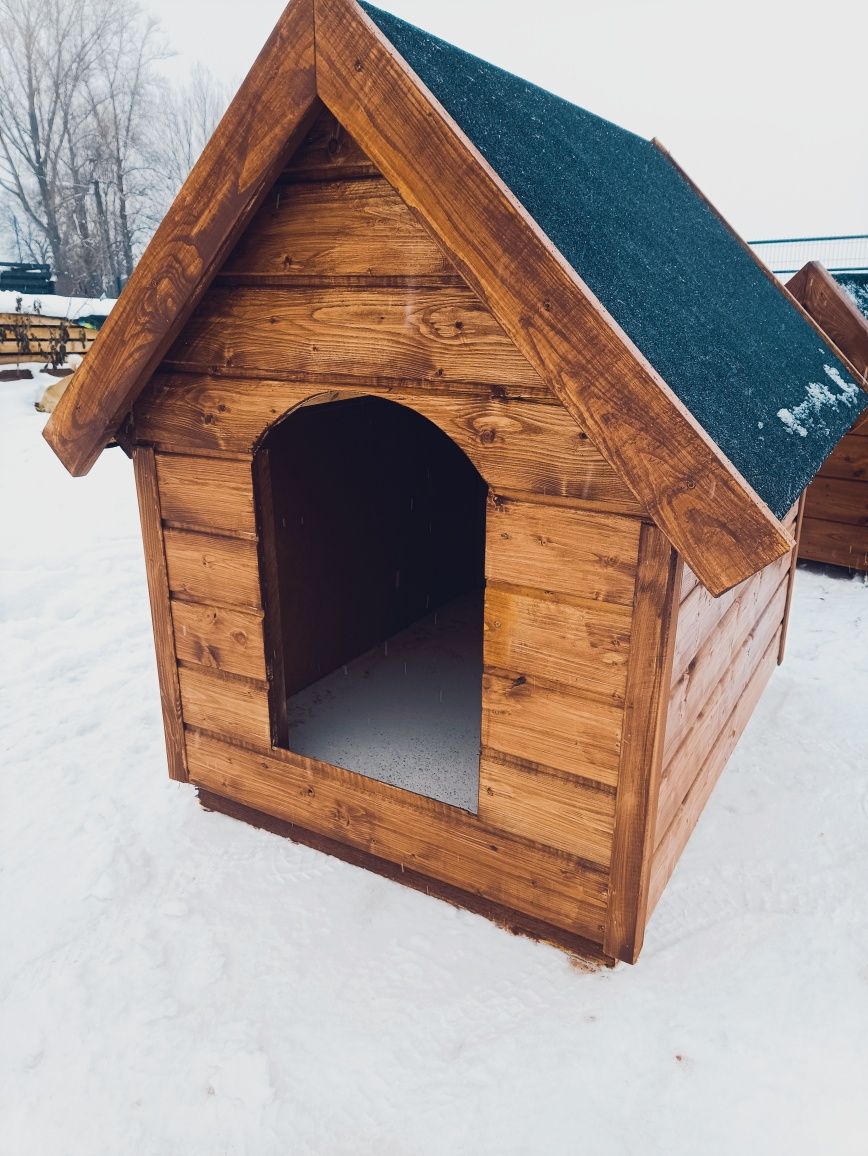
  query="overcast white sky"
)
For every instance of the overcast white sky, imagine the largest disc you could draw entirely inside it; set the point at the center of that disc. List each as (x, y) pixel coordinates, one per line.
(764, 102)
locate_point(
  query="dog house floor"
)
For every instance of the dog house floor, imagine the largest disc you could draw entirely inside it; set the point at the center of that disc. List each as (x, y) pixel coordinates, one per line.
(406, 712)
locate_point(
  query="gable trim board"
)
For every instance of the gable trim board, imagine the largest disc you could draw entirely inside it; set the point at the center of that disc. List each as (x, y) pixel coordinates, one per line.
(706, 508)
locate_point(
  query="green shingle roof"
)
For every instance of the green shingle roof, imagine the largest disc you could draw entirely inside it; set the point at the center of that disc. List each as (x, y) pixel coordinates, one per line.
(754, 374)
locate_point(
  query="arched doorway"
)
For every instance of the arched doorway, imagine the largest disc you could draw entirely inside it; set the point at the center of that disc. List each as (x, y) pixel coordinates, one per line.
(372, 525)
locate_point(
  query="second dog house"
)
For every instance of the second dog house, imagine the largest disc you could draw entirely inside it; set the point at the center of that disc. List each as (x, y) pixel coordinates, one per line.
(835, 525)
(468, 494)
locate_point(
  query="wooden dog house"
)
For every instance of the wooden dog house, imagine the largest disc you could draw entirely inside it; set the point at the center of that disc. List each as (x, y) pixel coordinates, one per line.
(835, 525)
(434, 399)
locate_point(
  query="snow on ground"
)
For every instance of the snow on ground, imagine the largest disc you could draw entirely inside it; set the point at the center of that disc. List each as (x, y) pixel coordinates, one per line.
(172, 982)
(52, 305)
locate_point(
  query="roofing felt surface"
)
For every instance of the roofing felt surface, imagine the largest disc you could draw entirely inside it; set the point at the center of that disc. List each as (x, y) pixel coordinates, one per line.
(724, 338)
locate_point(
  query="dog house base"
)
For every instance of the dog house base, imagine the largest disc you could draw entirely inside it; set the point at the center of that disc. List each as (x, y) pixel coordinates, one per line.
(513, 921)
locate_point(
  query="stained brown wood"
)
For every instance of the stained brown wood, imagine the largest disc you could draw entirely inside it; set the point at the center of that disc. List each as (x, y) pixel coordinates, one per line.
(718, 649)
(836, 314)
(658, 584)
(582, 646)
(507, 918)
(552, 725)
(572, 552)
(849, 460)
(514, 443)
(701, 613)
(791, 578)
(204, 494)
(233, 708)
(335, 229)
(214, 571)
(682, 766)
(442, 335)
(630, 413)
(328, 152)
(219, 637)
(260, 131)
(834, 543)
(838, 500)
(555, 810)
(442, 842)
(680, 829)
(161, 616)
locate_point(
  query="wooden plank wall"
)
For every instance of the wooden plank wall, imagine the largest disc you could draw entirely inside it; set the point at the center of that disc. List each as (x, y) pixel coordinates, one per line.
(835, 525)
(725, 651)
(336, 291)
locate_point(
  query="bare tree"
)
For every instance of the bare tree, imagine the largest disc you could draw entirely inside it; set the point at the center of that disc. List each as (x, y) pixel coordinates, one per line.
(188, 115)
(94, 142)
(47, 48)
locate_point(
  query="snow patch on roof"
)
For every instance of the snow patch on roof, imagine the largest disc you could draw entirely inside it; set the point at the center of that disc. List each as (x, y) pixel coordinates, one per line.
(819, 397)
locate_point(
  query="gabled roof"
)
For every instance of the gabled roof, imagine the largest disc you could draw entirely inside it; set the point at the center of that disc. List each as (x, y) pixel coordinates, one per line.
(621, 285)
(659, 258)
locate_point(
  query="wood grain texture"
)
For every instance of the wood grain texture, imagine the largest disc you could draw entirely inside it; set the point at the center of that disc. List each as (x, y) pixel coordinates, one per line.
(701, 613)
(514, 443)
(204, 494)
(545, 723)
(334, 229)
(259, 132)
(682, 765)
(835, 313)
(214, 571)
(655, 613)
(834, 543)
(328, 153)
(443, 334)
(693, 492)
(576, 553)
(161, 616)
(584, 647)
(432, 839)
(680, 829)
(717, 649)
(838, 499)
(234, 708)
(552, 809)
(219, 637)
(507, 918)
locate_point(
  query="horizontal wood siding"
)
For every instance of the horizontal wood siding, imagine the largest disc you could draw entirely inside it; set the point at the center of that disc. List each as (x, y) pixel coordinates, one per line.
(569, 813)
(213, 570)
(514, 443)
(221, 638)
(206, 494)
(725, 651)
(343, 228)
(709, 768)
(438, 334)
(428, 837)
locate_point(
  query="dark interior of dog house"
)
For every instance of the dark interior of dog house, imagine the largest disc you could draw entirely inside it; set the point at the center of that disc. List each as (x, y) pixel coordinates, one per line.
(372, 526)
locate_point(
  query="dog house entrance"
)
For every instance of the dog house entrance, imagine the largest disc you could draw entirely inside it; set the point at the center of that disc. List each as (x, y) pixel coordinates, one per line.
(373, 531)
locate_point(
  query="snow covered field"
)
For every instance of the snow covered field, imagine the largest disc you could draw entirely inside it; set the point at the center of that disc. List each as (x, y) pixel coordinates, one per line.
(172, 982)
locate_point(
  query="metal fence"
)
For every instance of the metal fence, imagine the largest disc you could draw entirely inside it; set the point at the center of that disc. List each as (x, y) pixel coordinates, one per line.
(847, 253)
